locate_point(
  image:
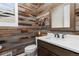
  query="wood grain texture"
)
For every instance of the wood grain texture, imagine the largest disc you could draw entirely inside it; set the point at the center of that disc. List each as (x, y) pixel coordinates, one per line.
(37, 13)
(77, 17)
(55, 50)
(5, 32)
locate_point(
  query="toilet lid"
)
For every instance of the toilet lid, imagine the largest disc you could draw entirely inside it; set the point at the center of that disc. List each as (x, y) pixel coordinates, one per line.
(30, 47)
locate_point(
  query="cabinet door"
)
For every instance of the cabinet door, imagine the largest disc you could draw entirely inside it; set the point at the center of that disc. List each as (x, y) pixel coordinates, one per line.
(43, 52)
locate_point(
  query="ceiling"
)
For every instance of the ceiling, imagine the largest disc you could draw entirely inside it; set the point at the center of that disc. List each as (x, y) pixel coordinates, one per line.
(35, 9)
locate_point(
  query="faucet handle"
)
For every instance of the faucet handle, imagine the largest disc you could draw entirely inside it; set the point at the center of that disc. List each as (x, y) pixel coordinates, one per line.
(58, 36)
(63, 35)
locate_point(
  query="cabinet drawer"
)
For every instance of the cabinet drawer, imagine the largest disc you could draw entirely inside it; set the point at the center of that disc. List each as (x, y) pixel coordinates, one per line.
(57, 50)
(43, 52)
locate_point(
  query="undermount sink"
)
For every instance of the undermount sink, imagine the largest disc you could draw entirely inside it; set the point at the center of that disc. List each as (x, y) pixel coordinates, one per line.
(70, 42)
(51, 38)
(67, 38)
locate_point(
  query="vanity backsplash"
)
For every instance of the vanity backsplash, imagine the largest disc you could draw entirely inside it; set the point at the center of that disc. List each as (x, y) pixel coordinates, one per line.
(62, 35)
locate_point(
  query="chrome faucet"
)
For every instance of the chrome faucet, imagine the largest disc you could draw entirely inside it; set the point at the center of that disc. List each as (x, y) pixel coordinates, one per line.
(63, 35)
(57, 35)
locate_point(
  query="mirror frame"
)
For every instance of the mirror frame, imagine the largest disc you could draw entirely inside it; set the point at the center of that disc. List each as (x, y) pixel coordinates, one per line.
(72, 20)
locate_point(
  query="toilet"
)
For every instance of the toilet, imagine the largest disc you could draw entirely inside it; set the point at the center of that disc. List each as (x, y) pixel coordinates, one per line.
(31, 50)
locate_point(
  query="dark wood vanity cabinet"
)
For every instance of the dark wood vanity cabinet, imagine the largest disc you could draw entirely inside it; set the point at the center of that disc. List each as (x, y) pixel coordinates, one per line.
(44, 52)
(46, 49)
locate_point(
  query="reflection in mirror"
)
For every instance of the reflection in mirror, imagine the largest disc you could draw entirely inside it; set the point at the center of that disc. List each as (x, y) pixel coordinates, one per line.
(60, 16)
(57, 17)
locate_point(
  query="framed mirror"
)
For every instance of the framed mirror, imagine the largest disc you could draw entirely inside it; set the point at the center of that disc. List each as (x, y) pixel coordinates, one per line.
(63, 17)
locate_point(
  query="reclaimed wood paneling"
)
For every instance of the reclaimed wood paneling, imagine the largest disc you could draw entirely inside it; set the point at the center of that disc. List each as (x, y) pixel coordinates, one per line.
(77, 18)
(4, 33)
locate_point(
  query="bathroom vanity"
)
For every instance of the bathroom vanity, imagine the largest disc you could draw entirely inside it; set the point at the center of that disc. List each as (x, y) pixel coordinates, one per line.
(47, 49)
(51, 46)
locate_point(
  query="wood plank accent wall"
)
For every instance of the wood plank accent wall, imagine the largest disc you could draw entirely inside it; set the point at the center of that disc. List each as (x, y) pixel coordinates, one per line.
(8, 32)
(77, 18)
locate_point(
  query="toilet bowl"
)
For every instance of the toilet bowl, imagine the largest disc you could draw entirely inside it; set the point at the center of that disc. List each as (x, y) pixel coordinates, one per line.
(31, 50)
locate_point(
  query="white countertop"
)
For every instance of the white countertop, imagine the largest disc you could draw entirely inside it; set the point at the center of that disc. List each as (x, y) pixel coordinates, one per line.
(70, 42)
